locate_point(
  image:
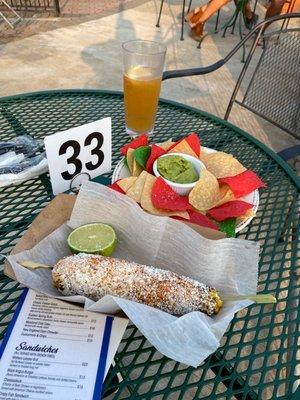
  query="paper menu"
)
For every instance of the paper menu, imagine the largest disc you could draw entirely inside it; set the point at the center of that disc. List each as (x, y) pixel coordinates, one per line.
(56, 350)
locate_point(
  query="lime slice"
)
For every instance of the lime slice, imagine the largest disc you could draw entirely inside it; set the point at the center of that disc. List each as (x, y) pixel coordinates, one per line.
(93, 239)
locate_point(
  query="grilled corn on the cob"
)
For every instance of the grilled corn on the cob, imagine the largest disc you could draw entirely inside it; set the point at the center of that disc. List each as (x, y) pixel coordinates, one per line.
(96, 276)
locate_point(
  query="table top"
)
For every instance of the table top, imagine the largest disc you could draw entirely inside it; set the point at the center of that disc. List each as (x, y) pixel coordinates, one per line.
(258, 354)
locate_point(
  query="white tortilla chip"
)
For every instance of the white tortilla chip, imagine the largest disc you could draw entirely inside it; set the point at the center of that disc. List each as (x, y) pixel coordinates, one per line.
(130, 158)
(206, 193)
(165, 145)
(126, 183)
(136, 190)
(136, 168)
(183, 147)
(222, 164)
(226, 195)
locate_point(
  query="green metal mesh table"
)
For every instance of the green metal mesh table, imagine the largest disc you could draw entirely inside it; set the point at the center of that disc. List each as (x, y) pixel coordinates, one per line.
(258, 354)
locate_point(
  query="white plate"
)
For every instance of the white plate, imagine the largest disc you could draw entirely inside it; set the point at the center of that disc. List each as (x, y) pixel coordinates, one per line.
(121, 171)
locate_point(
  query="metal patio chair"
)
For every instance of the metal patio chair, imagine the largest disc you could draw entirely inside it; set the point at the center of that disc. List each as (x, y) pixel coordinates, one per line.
(273, 92)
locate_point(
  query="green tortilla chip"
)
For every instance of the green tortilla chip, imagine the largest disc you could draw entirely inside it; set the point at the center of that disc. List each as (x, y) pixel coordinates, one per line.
(141, 155)
(228, 227)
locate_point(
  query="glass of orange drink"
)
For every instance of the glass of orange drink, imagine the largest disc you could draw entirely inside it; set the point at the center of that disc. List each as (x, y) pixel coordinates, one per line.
(143, 68)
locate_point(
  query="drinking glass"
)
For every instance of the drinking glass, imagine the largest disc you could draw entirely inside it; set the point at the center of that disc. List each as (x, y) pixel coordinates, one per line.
(143, 68)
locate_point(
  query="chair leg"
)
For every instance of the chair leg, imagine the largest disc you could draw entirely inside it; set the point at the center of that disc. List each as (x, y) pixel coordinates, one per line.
(159, 15)
(241, 36)
(230, 22)
(182, 19)
(233, 24)
(201, 40)
(189, 7)
(217, 21)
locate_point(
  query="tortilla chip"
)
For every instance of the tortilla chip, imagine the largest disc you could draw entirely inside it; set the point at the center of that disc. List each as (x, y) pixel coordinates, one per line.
(201, 220)
(130, 159)
(183, 147)
(192, 140)
(147, 204)
(248, 214)
(165, 145)
(141, 155)
(228, 227)
(222, 164)
(156, 151)
(136, 168)
(126, 183)
(236, 208)
(206, 192)
(243, 183)
(226, 195)
(136, 190)
(115, 186)
(163, 196)
(139, 141)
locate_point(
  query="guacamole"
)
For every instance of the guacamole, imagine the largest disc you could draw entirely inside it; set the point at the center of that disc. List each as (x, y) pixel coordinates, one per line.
(177, 169)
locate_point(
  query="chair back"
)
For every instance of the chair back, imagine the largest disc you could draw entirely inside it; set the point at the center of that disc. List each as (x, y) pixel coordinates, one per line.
(273, 92)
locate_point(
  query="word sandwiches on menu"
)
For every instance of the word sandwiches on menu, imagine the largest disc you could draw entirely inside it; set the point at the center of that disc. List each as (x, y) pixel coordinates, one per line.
(55, 350)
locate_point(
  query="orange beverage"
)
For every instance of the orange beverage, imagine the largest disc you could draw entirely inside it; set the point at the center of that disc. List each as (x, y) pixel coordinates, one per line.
(141, 93)
(143, 68)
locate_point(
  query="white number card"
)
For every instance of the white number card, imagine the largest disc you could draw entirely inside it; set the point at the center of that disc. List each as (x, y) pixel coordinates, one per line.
(84, 149)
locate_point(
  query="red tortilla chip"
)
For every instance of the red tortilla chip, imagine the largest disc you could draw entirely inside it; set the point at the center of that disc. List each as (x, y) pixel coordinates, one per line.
(194, 141)
(200, 219)
(164, 197)
(116, 187)
(235, 208)
(156, 152)
(243, 183)
(141, 140)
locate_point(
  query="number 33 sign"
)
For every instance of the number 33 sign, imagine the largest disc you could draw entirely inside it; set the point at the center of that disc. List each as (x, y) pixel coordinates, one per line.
(86, 148)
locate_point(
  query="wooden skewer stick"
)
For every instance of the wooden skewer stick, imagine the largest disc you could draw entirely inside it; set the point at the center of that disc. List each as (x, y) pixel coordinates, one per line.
(33, 265)
(257, 298)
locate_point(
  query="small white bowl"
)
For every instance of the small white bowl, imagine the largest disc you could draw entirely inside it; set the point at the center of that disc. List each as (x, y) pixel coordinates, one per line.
(183, 189)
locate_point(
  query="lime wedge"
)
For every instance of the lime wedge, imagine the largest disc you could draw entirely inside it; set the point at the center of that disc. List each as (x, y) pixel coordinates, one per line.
(93, 239)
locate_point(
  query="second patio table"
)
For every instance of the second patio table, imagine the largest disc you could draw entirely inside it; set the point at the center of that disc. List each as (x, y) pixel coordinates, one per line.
(258, 354)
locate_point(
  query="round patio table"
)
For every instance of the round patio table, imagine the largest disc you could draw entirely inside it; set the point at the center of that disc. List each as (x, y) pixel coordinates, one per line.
(257, 358)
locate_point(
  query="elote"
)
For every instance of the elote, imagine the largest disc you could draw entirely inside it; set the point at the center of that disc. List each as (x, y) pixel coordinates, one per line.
(95, 276)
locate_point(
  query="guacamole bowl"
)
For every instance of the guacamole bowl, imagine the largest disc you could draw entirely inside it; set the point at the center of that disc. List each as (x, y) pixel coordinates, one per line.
(183, 189)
